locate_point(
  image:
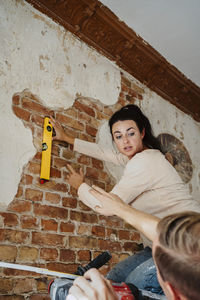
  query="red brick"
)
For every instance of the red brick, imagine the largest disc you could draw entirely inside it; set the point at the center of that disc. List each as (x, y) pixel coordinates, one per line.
(21, 113)
(110, 221)
(67, 255)
(55, 150)
(91, 130)
(83, 159)
(33, 195)
(19, 192)
(42, 284)
(28, 222)
(13, 236)
(131, 246)
(53, 186)
(108, 245)
(98, 164)
(69, 202)
(135, 236)
(111, 233)
(33, 106)
(39, 297)
(49, 225)
(71, 112)
(8, 253)
(108, 111)
(68, 154)
(82, 242)
(83, 217)
(82, 107)
(55, 173)
(9, 219)
(6, 285)
(12, 297)
(20, 206)
(16, 99)
(34, 168)
(61, 267)
(60, 163)
(39, 238)
(92, 173)
(98, 231)
(84, 117)
(86, 137)
(49, 254)
(27, 254)
(28, 179)
(84, 255)
(84, 229)
(38, 155)
(67, 227)
(70, 122)
(52, 198)
(50, 211)
(83, 207)
(37, 119)
(25, 285)
(124, 235)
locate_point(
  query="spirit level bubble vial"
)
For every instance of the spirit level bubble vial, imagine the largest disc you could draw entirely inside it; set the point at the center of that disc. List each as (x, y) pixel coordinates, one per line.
(46, 151)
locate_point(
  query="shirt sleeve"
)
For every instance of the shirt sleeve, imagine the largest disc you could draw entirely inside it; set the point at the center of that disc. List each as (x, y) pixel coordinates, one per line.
(136, 180)
(99, 152)
(86, 197)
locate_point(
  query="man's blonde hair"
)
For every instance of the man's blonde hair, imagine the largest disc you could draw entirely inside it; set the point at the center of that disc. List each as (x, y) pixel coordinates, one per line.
(177, 255)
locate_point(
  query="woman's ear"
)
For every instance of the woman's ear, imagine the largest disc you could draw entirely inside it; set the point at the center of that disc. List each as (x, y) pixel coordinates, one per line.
(143, 133)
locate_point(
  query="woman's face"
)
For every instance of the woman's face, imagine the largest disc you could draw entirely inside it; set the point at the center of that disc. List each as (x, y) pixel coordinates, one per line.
(127, 137)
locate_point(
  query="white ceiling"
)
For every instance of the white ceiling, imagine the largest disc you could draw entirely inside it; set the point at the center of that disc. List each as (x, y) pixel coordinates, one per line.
(172, 27)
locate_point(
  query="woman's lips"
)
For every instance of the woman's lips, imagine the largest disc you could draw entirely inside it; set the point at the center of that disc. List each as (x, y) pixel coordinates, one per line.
(128, 148)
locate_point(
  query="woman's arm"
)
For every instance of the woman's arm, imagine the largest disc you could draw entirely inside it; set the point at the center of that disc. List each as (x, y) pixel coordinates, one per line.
(88, 148)
(112, 205)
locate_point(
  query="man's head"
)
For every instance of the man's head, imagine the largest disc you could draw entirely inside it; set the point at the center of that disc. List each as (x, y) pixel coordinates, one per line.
(177, 255)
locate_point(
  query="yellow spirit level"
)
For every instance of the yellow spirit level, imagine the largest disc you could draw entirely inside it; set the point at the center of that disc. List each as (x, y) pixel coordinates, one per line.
(46, 151)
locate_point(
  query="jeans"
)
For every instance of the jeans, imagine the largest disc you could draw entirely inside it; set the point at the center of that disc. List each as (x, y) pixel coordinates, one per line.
(138, 269)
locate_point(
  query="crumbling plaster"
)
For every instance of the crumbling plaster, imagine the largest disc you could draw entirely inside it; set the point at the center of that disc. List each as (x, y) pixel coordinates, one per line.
(38, 54)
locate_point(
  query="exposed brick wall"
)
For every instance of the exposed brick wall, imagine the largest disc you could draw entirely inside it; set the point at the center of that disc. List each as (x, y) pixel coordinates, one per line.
(45, 225)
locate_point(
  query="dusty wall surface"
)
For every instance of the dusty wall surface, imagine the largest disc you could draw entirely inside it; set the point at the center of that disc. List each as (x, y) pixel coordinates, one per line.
(39, 55)
(46, 70)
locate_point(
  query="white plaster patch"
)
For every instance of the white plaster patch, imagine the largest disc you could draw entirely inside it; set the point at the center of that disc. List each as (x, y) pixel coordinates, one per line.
(39, 55)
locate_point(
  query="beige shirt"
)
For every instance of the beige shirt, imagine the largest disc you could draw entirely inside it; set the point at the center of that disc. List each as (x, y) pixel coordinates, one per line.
(149, 182)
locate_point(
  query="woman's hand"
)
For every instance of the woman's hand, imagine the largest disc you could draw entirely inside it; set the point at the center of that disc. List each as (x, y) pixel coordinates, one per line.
(93, 286)
(60, 133)
(74, 178)
(111, 204)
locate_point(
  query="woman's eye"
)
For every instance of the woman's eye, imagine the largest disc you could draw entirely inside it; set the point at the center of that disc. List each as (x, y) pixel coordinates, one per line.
(118, 137)
(131, 133)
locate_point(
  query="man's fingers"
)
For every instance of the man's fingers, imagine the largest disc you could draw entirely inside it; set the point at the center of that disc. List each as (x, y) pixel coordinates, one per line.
(98, 189)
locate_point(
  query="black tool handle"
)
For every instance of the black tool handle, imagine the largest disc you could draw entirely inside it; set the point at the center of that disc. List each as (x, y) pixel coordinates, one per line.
(98, 262)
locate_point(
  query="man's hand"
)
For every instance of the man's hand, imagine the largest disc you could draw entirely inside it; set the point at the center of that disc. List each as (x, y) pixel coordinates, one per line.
(110, 203)
(93, 286)
(74, 178)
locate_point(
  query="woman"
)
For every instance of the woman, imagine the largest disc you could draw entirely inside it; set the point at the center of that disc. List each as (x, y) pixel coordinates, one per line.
(149, 183)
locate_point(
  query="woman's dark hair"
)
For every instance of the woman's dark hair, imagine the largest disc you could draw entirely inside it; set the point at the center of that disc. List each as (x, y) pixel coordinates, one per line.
(133, 112)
